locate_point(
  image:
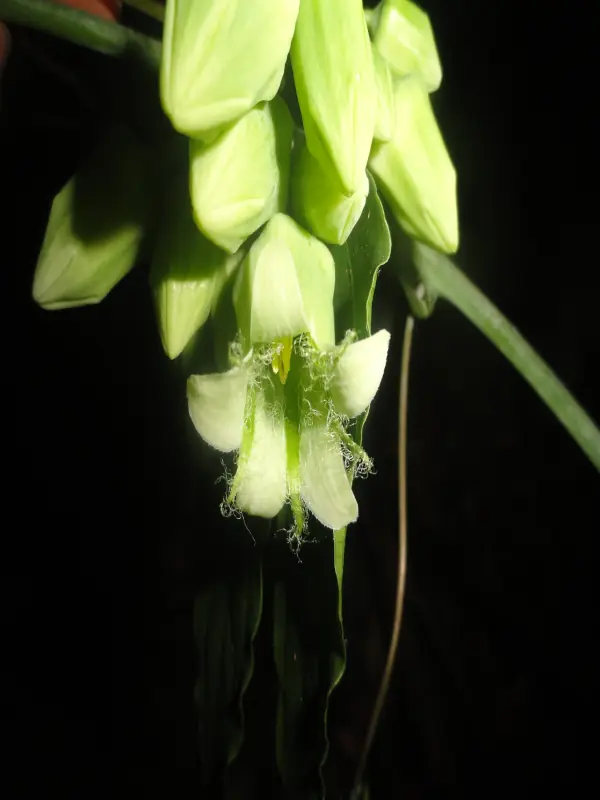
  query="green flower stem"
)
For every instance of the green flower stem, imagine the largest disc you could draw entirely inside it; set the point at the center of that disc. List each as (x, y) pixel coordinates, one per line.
(339, 548)
(81, 28)
(440, 276)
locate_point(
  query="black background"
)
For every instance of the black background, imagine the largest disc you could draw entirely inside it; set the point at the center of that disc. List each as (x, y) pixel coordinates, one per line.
(106, 517)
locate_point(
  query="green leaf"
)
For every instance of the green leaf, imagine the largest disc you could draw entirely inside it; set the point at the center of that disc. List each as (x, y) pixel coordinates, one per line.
(357, 265)
(438, 276)
(338, 664)
(309, 657)
(227, 614)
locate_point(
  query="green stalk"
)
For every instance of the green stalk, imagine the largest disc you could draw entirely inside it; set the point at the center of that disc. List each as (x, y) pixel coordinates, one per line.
(441, 277)
(81, 28)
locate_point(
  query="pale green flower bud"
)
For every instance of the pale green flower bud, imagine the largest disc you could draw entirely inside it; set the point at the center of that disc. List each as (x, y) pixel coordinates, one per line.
(335, 83)
(221, 58)
(415, 173)
(240, 180)
(384, 117)
(96, 225)
(285, 286)
(319, 201)
(188, 272)
(405, 39)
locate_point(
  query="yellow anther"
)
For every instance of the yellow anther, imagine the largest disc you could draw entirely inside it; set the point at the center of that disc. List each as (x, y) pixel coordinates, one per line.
(282, 357)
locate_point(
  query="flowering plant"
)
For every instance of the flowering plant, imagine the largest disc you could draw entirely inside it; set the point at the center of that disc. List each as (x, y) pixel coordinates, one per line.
(296, 141)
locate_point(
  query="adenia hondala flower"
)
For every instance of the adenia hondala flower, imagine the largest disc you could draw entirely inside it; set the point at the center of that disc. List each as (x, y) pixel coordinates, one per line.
(285, 404)
(238, 181)
(414, 171)
(404, 37)
(335, 83)
(284, 407)
(222, 57)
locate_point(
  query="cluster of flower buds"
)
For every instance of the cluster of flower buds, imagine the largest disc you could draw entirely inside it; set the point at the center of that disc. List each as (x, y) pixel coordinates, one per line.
(264, 197)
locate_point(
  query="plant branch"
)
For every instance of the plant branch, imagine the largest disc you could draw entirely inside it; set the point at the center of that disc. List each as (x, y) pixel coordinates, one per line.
(81, 28)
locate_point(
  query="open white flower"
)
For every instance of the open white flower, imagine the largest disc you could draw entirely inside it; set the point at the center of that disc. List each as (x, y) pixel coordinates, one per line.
(291, 436)
(285, 404)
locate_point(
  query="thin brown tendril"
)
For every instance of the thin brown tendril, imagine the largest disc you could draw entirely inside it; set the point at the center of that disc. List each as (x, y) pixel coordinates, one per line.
(402, 543)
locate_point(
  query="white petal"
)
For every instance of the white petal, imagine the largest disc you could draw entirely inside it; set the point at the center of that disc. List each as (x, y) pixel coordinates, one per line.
(325, 486)
(277, 305)
(261, 481)
(286, 285)
(358, 374)
(216, 404)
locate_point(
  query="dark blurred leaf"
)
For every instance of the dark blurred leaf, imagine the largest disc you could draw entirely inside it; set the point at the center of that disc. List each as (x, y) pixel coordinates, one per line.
(309, 656)
(227, 614)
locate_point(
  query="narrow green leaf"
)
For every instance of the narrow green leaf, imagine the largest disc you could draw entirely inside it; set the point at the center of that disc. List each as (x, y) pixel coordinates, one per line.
(439, 276)
(226, 618)
(357, 265)
(338, 665)
(309, 656)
